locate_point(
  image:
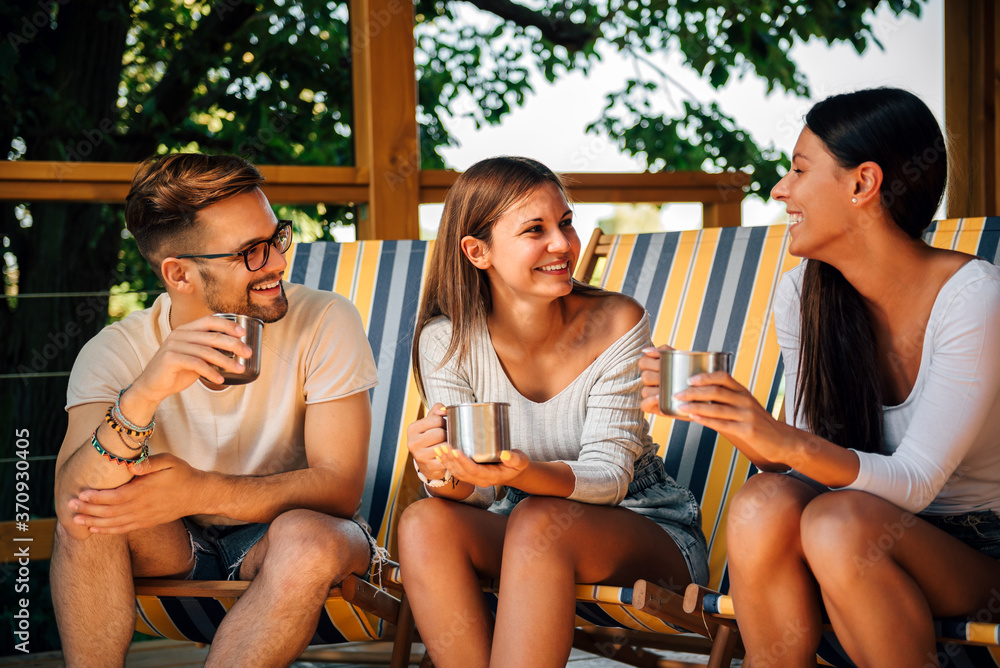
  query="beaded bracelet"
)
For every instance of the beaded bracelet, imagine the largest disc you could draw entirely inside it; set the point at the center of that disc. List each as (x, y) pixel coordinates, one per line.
(118, 460)
(132, 444)
(122, 420)
(113, 420)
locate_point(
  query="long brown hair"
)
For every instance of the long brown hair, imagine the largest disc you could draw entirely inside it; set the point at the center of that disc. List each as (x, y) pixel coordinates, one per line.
(454, 287)
(839, 390)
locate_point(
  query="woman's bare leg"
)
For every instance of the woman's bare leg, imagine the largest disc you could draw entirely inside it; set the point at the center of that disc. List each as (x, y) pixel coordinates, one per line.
(775, 595)
(444, 549)
(551, 545)
(884, 574)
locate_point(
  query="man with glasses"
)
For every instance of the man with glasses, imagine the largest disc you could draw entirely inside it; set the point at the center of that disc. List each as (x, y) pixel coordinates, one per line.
(166, 472)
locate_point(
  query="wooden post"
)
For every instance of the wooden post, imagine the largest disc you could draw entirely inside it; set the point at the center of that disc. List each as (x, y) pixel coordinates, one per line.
(385, 117)
(723, 214)
(971, 66)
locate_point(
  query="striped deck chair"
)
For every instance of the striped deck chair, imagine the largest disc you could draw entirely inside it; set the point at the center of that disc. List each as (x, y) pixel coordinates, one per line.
(974, 642)
(704, 290)
(709, 289)
(383, 279)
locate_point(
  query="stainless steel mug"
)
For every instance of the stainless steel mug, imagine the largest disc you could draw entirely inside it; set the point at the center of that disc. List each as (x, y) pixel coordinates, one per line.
(254, 332)
(676, 369)
(481, 431)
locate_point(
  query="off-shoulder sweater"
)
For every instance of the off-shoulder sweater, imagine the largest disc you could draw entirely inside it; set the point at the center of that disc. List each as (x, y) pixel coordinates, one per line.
(595, 424)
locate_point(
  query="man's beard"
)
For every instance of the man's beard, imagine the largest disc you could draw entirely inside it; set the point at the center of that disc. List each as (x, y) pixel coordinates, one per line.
(271, 312)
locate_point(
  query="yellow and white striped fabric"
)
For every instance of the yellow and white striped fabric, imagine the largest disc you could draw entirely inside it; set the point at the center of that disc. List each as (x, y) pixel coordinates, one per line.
(707, 289)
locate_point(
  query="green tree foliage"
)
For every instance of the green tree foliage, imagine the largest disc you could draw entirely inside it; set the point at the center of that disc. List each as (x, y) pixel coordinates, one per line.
(718, 40)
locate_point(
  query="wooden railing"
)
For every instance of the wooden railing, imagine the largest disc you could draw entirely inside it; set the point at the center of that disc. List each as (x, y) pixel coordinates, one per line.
(721, 194)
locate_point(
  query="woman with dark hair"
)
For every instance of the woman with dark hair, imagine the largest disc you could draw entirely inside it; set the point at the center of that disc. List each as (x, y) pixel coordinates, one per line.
(887, 515)
(587, 499)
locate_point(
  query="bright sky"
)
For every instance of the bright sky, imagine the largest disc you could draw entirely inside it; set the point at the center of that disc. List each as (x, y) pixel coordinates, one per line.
(550, 126)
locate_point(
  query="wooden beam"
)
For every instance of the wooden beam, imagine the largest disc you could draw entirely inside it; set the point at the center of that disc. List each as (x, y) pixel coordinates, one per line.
(382, 34)
(306, 194)
(722, 194)
(725, 190)
(32, 191)
(121, 173)
(361, 124)
(722, 214)
(29, 181)
(972, 96)
(36, 538)
(624, 180)
(67, 172)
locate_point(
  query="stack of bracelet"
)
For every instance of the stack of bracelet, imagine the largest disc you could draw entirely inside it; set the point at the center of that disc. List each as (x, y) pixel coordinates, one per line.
(127, 433)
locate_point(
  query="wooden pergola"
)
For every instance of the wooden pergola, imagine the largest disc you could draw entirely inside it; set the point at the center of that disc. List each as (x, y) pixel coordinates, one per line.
(388, 184)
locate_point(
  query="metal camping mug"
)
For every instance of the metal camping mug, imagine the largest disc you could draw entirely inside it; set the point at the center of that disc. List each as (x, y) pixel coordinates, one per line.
(253, 333)
(676, 369)
(481, 431)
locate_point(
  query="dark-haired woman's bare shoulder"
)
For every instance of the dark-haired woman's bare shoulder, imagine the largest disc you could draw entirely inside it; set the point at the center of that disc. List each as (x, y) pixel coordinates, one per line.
(944, 264)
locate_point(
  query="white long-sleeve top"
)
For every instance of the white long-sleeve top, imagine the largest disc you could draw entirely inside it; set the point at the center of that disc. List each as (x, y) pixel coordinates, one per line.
(595, 424)
(942, 443)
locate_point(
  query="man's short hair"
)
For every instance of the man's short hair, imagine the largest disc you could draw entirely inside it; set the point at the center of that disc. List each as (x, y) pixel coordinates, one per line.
(169, 190)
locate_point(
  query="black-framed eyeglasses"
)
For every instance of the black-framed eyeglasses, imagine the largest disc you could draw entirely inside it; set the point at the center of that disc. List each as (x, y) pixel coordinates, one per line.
(256, 256)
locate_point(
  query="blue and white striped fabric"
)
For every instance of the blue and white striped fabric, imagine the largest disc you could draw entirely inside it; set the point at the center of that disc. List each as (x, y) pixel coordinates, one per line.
(383, 279)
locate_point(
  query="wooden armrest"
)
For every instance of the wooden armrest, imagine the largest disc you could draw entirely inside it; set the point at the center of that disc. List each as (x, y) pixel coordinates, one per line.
(390, 577)
(669, 606)
(230, 588)
(195, 588)
(353, 589)
(694, 602)
(370, 598)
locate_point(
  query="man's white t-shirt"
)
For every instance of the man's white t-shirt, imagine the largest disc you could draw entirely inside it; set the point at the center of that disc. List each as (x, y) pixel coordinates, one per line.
(318, 352)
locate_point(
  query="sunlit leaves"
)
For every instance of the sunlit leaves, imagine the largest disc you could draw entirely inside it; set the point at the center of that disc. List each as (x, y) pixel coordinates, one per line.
(465, 71)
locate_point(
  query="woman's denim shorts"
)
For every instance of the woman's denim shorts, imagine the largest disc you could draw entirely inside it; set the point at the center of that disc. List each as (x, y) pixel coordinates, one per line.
(653, 494)
(979, 530)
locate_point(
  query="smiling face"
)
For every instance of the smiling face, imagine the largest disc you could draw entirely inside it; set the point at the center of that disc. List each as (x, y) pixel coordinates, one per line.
(817, 195)
(533, 247)
(235, 224)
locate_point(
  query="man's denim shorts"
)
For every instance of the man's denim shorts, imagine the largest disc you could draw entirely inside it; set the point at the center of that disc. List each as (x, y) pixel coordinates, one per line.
(979, 530)
(219, 549)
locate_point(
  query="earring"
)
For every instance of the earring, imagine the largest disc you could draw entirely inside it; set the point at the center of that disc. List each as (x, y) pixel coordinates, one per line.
(854, 200)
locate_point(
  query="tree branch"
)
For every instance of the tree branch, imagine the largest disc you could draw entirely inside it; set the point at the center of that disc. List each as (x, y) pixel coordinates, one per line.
(203, 49)
(554, 27)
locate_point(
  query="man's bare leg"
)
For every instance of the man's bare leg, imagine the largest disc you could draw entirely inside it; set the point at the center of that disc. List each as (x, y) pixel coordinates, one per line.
(303, 554)
(100, 569)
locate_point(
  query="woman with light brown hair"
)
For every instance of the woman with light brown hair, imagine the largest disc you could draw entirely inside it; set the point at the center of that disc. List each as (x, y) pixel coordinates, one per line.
(586, 499)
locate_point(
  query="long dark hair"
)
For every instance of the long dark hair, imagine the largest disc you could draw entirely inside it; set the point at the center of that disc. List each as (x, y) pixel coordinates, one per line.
(839, 392)
(454, 287)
